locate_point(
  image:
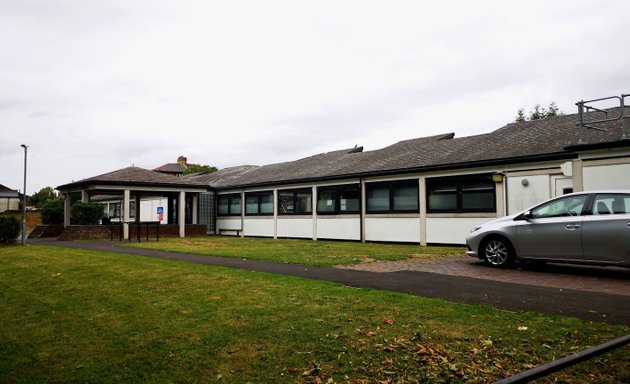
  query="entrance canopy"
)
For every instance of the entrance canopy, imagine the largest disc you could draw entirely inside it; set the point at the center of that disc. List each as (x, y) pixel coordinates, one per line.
(139, 183)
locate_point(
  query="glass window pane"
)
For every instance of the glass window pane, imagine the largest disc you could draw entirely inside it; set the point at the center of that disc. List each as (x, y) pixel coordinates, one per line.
(304, 202)
(235, 205)
(611, 204)
(568, 206)
(478, 200)
(442, 194)
(285, 202)
(251, 204)
(406, 197)
(266, 203)
(326, 201)
(377, 198)
(223, 206)
(349, 200)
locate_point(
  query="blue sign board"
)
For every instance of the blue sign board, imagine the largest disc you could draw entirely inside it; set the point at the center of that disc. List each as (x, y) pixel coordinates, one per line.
(160, 210)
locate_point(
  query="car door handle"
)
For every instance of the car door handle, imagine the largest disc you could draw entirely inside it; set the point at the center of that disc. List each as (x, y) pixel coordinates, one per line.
(572, 226)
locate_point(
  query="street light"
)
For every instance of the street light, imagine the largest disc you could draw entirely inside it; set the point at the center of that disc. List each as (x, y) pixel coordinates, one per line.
(24, 199)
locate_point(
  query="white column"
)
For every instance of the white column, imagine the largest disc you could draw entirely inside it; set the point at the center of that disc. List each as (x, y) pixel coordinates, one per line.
(275, 213)
(67, 209)
(125, 209)
(314, 207)
(578, 177)
(500, 198)
(195, 213)
(181, 213)
(85, 198)
(363, 210)
(242, 213)
(422, 200)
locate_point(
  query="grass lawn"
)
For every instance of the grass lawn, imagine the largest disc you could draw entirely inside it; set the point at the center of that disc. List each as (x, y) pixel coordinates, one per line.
(317, 253)
(79, 316)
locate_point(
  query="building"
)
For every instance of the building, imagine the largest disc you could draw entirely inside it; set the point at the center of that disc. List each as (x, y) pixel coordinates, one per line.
(174, 169)
(9, 199)
(424, 190)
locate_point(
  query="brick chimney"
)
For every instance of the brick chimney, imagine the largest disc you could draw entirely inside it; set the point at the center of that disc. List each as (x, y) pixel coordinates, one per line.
(183, 161)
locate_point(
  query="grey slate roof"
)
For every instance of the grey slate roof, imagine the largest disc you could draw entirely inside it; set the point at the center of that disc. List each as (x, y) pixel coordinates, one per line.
(8, 192)
(132, 176)
(516, 142)
(552, 138)
(170, 168)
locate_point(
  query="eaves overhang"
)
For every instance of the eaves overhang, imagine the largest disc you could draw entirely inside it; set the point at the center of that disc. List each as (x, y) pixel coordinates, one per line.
(96, 184)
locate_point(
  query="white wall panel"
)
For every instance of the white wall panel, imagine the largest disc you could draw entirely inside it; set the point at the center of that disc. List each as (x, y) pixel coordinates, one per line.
(615, 176)
(521, 197)
(228, 223)
(339, 228)
(392, 229)
(293, 227)
(259, 227)
(451, 230)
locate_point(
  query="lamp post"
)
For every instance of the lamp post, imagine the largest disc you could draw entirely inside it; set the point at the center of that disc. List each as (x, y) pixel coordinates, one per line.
(24, 199)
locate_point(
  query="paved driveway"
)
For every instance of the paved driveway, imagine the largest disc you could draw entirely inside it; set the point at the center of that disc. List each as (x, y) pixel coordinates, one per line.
(610, 280)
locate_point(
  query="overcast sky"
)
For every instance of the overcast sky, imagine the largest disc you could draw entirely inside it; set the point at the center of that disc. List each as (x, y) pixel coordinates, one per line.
(94, 86)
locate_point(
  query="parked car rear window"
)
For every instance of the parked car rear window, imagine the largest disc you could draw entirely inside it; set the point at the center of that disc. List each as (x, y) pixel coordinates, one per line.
(606, 204)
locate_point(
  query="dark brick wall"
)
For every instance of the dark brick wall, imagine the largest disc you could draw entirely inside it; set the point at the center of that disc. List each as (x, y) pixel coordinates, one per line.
(98, 232)
(47, 231)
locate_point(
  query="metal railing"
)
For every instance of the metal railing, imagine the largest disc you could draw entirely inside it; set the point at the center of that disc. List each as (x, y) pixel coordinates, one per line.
(554, 366)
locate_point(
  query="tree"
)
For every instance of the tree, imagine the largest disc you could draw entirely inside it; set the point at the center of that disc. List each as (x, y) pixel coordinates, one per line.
(195, 168)
(538, 113)
(42, 197)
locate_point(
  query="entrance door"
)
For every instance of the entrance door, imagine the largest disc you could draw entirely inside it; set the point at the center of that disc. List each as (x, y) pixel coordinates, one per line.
(562, 186)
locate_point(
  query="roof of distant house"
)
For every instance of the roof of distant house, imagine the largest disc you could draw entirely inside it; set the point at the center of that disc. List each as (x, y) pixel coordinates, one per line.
(171, 168)
(8, 192)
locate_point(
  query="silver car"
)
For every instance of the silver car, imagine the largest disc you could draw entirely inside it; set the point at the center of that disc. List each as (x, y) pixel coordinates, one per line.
(585, 227)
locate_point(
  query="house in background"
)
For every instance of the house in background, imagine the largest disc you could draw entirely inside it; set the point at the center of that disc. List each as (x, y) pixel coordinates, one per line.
(174, 169)
(9, 199)
(424, 190)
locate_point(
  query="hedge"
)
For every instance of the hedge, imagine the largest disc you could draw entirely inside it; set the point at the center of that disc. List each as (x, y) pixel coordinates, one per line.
(87, 213)
(9, 229)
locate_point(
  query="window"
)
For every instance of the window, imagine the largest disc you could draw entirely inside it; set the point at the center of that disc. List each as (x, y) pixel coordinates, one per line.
(295, 202)
(396, 196)
(611, 204)
(566, 206)
(338, 200)
(473, 193)
(229, 205)
(259, 203)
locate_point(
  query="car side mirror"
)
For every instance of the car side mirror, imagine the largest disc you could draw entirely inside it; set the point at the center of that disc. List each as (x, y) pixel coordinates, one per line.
(524, 216)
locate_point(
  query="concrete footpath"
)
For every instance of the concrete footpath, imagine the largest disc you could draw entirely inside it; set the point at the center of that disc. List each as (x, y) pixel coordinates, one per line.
(596, 306)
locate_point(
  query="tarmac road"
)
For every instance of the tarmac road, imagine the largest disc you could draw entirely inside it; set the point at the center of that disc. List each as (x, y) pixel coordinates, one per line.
(596, 306)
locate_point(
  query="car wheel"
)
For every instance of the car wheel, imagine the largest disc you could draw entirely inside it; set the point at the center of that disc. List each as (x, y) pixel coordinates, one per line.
(498, 252)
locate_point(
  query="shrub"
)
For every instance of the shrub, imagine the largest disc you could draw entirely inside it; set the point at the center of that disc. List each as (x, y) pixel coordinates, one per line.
(52, 212)
(87, 213)
(9, 229)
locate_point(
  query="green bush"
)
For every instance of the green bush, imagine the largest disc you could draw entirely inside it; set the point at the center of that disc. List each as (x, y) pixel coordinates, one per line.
(87, 213)
(52, 212)
(9, 229)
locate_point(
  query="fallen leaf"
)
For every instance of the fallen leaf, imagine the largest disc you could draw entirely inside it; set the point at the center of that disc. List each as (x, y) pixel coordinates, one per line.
(522, 328)
(388, 321)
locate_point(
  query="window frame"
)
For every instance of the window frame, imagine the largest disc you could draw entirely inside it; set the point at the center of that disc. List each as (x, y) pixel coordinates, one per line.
(229, 197)
(338, 189)
(258, 195)
(391, 187)
(294, 196)
(459, 182)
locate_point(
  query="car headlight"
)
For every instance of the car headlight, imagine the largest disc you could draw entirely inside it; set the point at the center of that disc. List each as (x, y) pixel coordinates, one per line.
(475, 229)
